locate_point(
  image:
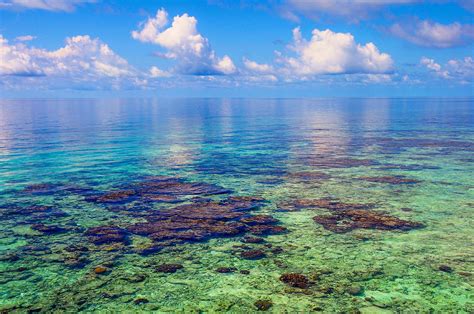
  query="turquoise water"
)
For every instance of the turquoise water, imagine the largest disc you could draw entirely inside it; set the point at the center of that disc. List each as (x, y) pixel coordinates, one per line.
(215, 205)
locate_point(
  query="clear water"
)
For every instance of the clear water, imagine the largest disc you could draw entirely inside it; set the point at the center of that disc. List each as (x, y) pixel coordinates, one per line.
(260, 148)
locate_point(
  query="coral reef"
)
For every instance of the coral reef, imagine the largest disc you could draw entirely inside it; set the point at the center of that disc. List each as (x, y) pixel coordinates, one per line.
(347, 220)
(169, 268)
(295, 280)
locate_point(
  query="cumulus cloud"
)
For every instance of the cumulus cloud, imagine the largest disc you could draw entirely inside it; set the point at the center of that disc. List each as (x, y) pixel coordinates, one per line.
(17, 60)
(182, 41)
(328, 52)
(257, 67)
(157, 72)
(81, 60)
(430, 34)
(461, 70)
(49, 5)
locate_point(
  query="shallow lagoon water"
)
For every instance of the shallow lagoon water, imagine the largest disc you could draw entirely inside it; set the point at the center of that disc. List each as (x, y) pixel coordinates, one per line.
(410, 159)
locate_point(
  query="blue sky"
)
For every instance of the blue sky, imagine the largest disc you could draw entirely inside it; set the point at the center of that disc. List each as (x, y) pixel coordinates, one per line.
(276, 48)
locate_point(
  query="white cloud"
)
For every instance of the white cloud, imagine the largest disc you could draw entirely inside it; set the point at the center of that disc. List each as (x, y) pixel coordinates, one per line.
(49, 5)
(461, 70)
(81, 60)
(430, 64)
(429, 34)
(183, 42)
(25, 38)
(17, 60)
(157, 72)
(257, 67)
(328, 52)
(434, 67)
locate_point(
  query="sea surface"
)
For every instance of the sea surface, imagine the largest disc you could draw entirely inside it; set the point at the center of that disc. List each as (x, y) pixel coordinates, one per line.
(237, 205)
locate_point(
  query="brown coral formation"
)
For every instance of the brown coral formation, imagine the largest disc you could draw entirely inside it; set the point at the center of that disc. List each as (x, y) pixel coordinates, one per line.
(106, 235)
(295, 280)
(253, 254)
(158, 189)
(33, 213)
(263, 305)
(47, 229)
(347, 220)
(199, 220)
(169, 268)
(202, 220)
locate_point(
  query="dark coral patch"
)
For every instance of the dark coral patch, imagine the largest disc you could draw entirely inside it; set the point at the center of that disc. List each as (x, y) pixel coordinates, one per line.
(121, 196)
(253, 254)
(41, 188)
(347, 220)
(48, 229)
(391, 180)
(205, 219)
(169, 268)
(295, 280)
(249, 239)
(258, 220)
(263, 305)
(32, 213)
(266, 229)
(178, 187)
(158, 189)
(105, 235)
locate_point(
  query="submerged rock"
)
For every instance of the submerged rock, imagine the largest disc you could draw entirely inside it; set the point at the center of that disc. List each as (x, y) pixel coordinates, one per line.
(99, 270)
(263, 305)
(295, 280)
(354, 290)
(169, 268)
(139, 301)
(347, 220)
(445, 268)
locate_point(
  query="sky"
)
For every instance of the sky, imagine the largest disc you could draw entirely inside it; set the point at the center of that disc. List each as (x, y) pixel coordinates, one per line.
(224, 48)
